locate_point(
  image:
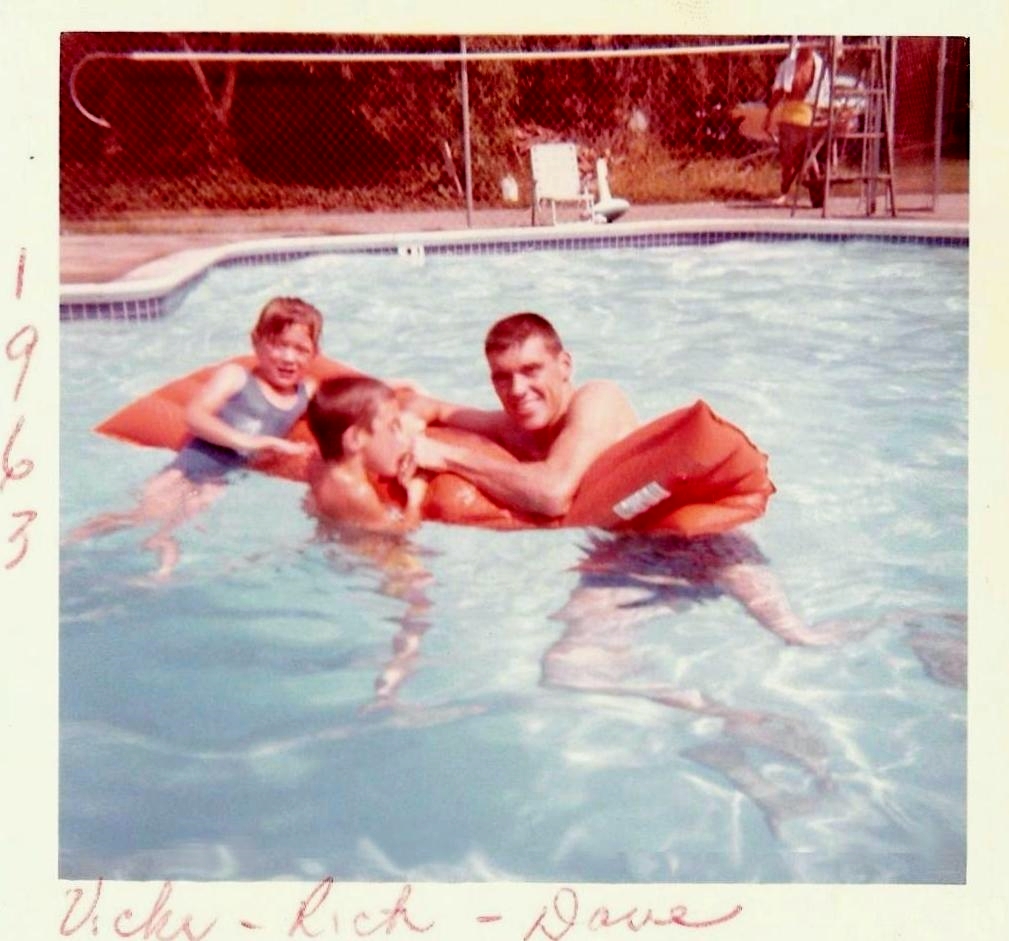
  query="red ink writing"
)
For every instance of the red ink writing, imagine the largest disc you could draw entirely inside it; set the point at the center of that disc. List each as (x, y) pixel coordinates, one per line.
(309, 908)
(20, 347)
(158, 922)
(23, 467)
(635, 920)
(30, 337)
(66, 927)
(21, 274)
(564, 911)
(554, 921)
(89, 914)
(312, 920)
(19, 537)
(366, 925)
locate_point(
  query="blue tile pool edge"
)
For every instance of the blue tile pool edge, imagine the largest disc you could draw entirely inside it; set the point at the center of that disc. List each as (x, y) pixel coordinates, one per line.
(150, 297)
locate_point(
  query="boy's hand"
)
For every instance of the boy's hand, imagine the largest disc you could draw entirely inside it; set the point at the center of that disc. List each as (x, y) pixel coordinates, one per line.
(283, 446)
(407, 469)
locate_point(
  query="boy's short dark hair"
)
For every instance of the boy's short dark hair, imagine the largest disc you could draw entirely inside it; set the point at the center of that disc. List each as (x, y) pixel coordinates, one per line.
(281, 312)
(517, 328)
(340, 403)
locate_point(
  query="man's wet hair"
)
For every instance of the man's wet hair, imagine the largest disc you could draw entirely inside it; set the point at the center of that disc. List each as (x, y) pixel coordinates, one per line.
(516, 329)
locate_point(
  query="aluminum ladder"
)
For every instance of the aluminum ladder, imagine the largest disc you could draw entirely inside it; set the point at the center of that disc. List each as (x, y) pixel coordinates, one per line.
(870, 95)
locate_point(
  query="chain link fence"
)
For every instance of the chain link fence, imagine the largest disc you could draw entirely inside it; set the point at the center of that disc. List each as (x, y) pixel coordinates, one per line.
(197, 122)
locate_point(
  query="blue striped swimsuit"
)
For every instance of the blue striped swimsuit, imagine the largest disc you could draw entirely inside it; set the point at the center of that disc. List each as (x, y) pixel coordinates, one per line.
(247, 411)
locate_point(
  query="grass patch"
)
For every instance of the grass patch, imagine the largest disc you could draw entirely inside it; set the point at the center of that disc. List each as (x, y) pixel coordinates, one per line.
(650, 175)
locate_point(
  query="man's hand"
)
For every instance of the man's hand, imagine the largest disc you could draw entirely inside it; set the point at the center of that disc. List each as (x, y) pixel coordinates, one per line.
(430, 454)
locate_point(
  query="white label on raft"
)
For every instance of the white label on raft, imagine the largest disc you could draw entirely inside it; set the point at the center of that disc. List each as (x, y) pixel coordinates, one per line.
(641, 500)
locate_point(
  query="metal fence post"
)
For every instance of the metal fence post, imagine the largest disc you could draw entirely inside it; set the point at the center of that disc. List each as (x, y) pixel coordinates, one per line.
(466, 144)
(892, 115)
(940, 91)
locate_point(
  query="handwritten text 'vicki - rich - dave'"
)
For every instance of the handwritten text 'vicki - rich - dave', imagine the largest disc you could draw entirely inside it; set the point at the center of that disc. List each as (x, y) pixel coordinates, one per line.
(329, 910)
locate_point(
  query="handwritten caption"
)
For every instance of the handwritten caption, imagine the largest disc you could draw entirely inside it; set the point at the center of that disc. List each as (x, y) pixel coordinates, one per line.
(19, 348)
(322, 913)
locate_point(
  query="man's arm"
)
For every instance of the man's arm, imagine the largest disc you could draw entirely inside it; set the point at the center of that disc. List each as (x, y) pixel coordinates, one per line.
(599, 415)
(490, 424)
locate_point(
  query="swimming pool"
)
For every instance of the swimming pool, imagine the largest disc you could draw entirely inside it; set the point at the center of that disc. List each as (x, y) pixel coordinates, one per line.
(223, 726)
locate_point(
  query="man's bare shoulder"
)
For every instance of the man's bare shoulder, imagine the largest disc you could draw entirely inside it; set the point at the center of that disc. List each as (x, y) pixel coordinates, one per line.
(601, 388)
(606, 396)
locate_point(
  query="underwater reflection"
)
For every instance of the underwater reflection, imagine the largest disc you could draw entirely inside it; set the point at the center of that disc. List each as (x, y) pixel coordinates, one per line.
(626, 580)
(398, 565)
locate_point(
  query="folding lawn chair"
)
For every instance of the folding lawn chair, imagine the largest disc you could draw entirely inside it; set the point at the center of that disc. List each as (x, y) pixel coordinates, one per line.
(556, 179)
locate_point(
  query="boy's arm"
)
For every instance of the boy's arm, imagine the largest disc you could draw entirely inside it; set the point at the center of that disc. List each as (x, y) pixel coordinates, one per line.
(416, 490)
(599, 416)
(201, 414)
(355, 504)
(203, 421)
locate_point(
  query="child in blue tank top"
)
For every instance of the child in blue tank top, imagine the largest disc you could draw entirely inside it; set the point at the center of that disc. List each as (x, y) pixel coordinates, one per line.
(239, 413)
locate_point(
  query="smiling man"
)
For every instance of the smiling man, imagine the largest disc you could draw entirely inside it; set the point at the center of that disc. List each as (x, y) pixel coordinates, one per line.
(555, 429)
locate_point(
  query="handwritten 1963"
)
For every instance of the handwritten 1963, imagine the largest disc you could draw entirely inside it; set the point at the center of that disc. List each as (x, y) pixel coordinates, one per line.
(317, 915)
(19, 348)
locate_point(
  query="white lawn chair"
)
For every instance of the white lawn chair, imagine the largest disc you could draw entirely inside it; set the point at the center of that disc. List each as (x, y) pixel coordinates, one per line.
(556, 179)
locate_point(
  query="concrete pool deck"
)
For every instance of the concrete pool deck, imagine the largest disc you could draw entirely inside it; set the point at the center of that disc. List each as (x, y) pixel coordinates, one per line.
(135, 247)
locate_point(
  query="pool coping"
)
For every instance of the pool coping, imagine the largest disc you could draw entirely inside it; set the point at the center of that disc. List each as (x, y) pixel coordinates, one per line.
(157, 287)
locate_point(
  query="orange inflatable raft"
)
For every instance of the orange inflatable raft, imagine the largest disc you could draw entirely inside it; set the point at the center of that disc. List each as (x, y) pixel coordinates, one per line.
(690, 472)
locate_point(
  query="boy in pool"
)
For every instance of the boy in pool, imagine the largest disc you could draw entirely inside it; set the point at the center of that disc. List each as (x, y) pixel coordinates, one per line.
(366, 476)
(238, 414)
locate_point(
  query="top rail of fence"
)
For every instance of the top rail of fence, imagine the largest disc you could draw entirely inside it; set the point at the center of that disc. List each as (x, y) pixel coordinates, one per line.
(467, 56)
(464, 55)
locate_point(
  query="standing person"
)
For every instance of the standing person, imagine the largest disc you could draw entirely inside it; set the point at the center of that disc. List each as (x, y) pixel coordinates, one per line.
(555, 428)
(794, 95)
(238, 414)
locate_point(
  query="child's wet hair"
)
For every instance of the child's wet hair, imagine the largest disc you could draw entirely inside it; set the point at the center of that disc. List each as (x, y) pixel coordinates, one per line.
(283, 312)
(341, 403)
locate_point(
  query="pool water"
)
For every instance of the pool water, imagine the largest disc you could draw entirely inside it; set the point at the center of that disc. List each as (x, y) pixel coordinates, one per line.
(535, 721)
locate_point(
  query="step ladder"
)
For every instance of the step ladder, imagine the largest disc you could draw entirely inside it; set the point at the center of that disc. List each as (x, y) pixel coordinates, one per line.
(858, 120)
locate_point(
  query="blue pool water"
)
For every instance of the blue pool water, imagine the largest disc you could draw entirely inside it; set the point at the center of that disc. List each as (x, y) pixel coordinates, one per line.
(543, 723)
